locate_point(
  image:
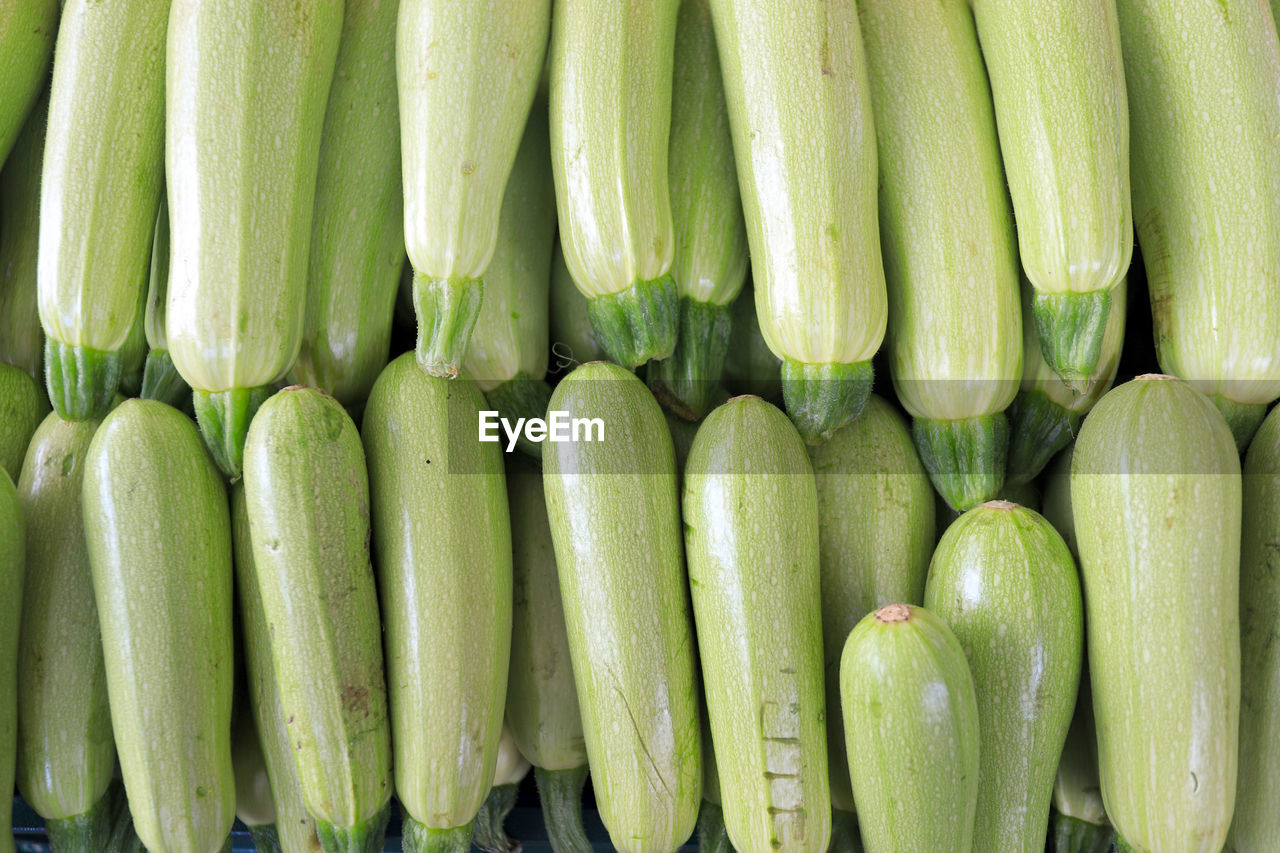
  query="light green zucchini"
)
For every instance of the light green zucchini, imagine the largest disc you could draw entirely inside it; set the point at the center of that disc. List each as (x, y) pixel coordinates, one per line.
(21, 335)
(876, 532)
(805, 146)
(1156, 492)
(1059, 89)
(955, 322)
(1206, 193)
(1057, 498)
(153, 502)
(1079, 817)
(750, 367)
(511, 768)
(357, 229)
(442, 549)
(255, 807)
(66, 754)
(614, 512)
(573, 340)
(12, 570)
(27, 32)
(241, 74)
(1004, 582)
(467, 74)
(23, 406)
(911, 730)
(160, 379)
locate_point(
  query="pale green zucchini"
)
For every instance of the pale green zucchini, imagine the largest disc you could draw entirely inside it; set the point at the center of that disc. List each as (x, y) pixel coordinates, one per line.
(955, 322)
(709, 262)
(614, 512)
(153, 503)
(1005, 584)
(442, 549)
(805, 146)
(27, 32)
(247, 85)
(98, 201)
(160, 379)
(1206, 193)
(467, 75)
(255, 807)
(1156, 492)
(21, 335)
(911, 729)
(511, 768)
(750, 367)
(12, 570)
(573, 340)
(1059, 89)
(1079, 817)
(66, 754)
(1057, 498)
(610, 110)
(876, 532)
(357, 229)
(23, 406)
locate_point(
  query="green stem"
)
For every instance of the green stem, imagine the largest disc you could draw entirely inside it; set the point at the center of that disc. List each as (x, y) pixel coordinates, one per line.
(419, 838)
(81, 381)
(224, 418)
(845, 837)
(1071, 327)
(162, 381)
(712, 835)
(1072, 835)
(637, 324)
(265, 838)
(686, 381)
(822, 398)
(965, 457)
(522, 397)
(489, 833)
(447, 309)
(1243, 418)
(561, 794)
(1038, 429)
(85, 833)
(366, 837)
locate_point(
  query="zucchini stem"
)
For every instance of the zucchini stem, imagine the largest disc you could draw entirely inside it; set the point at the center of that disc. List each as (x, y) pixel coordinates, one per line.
(686, 381)
(224, 418)
(1038, 429)
(561, 794)
(88, 832)
(447, 310)
(822, 398)
(489, 833)
(1071, 327)
(366, 837)
(81, 381)
(638, 324)
(965, 458)
(420, 838)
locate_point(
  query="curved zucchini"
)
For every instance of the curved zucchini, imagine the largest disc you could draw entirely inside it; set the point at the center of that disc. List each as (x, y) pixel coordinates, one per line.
(805, 146)
(307, 496)
(573, 339)
(511, 768)
(467, 74)
(153, 502)
(1079, 817)
(911, 729)
(160, 379)
(434, 488)
(241, 73)
(12, 570)
(1155, 488)
(27, 32)
(21, 335)
(626, 608)
(1004, 582)
(750, 367)
(23, 406)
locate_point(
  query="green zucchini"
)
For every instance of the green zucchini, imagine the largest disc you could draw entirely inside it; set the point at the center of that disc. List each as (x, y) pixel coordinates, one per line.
(21, 335)
(1203, 115)
(12, 570)
(610, 111)
(876, 533)
(467, 75)
(23, 406)
(153, 503)
(911, 730)
(27, 32)
(1057, 498)
(357, 230)
(750, 367)
(442, 549)
(1059, 89)
(511, 768)
(1156, 492)
(709, 262)
(1004, 582)
(805, 146)
(751, 523)
(255, 807)
(242, 73)
(307, 496)
(133, 352)
(1079, 817)
(614, 512)
(66, 754)
(573, 340)
(160, 379)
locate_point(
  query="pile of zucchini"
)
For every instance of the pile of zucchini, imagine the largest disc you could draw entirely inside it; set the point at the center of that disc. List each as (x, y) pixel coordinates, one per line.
(867, 552)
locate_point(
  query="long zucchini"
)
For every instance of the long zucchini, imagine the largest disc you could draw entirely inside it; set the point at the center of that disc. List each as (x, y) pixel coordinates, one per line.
(247, 84)
(573, 340)
(21, 335)
(23, 406)
(12, 569)
(27, 32)
(614, 512)
(160, 379)
(805, 146)
(1156, 493)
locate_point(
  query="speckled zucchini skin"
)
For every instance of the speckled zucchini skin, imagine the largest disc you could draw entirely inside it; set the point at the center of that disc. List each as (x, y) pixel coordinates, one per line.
(23, 405)
(21, 335)
(12, 570)
(28, 29)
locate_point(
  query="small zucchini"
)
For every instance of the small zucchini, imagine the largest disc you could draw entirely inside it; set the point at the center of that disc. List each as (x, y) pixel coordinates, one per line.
(12, 569)
(27, 32)
(21, 335)
(23, 405)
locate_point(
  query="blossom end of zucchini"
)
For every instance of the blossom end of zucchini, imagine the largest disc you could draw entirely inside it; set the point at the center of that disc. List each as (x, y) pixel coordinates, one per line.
(1243, 418)
(366, 837)
(1071, 327)
(560, 792)
(686, 380)
(162, 381)
(81, 381)
(638, 324)
(822, 398)
(489, 834)
(1072, 835)
(447, 310)
(420, 838)
(265, 838)
(224, 418)
(522, 397)
(1038, 429)
(965, 457)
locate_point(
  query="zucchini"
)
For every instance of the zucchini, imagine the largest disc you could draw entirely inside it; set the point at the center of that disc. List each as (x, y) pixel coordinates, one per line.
(805, 147)
(709, 261)
(21, 335)
(750, 367)
(751, 523)
(12, 569)
(911, 730)
(307, 497)
(357, 229)
(434, 488)
(241, 72)
(1203, 113)
(511, 768)
(23, 406)
(1079, 817)
(1004, 582)
(1155, 489)
(1057, 498)
(467, 75)
(955, 322)
(66, 754)
(573, 340)
(27, 32)
(1061, 106)
(626, 608)
(98, 201)
(876, 534)
(133, 353)
(160, 379)
(255, 807)
(610, 110)
(153, 502)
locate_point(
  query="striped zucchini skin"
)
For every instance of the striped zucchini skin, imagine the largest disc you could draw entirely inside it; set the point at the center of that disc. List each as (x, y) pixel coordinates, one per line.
(573, 340)
(805, 147)
(876, 534)
(626, 608)
(357, 229)
(1156, 493)
(23, 406)
(12, 566)
(1200, 157)
(238, 271)
(467, 76)
(28, 29)
(160, 379)
(1004, 582)
(911, 729)
(307, 497)
(751, 525)
(152, 502)
(434, 487)
(21, 335)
